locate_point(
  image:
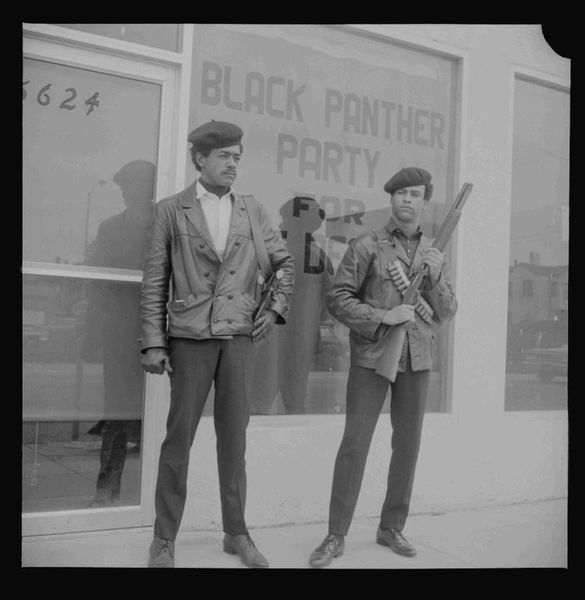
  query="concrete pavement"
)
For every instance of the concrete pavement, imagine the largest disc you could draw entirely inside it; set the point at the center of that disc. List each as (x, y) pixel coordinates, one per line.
(523, 535)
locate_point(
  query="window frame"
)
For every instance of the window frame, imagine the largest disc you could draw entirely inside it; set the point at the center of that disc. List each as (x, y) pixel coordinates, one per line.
(536, 76)
(85, 51)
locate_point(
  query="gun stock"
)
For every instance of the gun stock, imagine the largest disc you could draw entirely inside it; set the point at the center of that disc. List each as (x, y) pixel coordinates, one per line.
(392, 342)
(393, 338)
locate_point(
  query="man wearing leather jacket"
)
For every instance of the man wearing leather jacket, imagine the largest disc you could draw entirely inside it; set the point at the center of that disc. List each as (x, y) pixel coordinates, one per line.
(199, 292)
(366, 295)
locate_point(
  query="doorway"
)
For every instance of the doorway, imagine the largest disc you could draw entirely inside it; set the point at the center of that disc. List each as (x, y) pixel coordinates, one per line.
(94, 145)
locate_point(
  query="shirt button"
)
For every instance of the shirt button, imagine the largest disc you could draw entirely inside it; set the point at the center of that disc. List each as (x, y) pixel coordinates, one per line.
(230, 296)
(205, 274)
(232, 272)
(201, 246)
(237, 244)
(216, 320)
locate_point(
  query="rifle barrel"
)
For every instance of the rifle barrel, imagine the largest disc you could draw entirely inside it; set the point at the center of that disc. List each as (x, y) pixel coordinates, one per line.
(453, 216)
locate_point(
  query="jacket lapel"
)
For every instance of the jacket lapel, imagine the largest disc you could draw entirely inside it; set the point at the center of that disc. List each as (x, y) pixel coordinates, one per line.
(194, 214)
(236, 222)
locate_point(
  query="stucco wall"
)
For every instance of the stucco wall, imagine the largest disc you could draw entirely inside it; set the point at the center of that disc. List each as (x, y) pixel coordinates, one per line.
(462, 465)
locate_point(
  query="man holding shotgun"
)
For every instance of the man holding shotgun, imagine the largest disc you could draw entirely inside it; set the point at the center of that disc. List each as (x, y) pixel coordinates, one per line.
(370, 294)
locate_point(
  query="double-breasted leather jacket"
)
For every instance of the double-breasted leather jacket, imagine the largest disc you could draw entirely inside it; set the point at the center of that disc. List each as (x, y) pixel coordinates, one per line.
(188, 291)
(363, 290)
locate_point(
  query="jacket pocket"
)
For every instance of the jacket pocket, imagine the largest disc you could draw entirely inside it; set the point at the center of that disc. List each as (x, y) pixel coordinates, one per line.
(243, 306)
(236, 309)
(179, 305)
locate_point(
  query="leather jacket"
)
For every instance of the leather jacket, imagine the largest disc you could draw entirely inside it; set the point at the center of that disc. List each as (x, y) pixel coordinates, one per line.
(188, 292)
(363, 290)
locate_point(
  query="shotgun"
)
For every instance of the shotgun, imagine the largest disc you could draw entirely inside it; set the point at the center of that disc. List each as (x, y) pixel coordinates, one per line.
(392, 339)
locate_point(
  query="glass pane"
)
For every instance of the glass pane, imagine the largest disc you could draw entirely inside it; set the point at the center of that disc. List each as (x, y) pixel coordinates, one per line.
(538, 303)
(328, 117)
(90, 142)
(89, 152)
(166, 36)
(82, 393)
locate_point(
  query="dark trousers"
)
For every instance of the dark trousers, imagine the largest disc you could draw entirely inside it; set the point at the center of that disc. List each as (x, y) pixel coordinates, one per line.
(196, 365)
(366, 392)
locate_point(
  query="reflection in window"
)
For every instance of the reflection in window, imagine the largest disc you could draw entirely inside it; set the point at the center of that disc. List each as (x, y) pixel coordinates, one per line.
(537, 346)
(80, 169)
(554, 289)
(158, 35)
(88, 187)
(121, 239)
(82, 394)
(83, 384)
(309, 342)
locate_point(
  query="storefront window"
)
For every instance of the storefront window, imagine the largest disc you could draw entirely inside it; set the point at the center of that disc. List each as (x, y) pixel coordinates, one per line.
(90, 142)
(328, 117)
(166, 36)
(89, 148)
(83, 394)
(538, 315)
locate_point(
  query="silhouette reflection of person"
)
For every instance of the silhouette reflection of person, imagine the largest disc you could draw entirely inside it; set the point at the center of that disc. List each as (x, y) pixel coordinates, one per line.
(297, 342)
(113, 325)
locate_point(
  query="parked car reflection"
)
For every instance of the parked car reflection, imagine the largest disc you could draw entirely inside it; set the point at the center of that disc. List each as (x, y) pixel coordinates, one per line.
(547, 352)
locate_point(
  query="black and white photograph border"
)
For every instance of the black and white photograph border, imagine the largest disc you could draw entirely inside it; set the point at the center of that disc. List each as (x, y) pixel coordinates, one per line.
(340, 150)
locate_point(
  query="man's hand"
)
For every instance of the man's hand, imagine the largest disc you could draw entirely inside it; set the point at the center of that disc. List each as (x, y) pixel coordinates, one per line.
(156, 360)
(399, 314)
(263, 324)
(434, 258)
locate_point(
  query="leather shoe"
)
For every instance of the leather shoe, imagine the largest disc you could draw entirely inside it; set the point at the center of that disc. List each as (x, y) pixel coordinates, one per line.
(244, 547)
(395, 541)
(161, 553)
(331, 547)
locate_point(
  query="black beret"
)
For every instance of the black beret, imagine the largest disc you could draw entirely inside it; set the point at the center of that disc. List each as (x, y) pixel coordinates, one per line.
(215, 134)
(407, 177)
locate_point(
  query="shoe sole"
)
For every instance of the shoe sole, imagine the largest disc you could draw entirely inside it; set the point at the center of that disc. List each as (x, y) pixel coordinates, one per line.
(154, 565)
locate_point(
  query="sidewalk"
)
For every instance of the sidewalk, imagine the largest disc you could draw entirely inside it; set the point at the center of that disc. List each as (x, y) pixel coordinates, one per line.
(512, 536)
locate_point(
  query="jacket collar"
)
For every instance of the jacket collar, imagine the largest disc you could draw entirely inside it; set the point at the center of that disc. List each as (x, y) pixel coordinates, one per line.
(394, 231)
(194, 213)
(200, 191)
(238, 215)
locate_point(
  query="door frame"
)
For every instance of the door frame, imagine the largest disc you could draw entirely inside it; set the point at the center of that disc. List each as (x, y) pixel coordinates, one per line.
(166, 75)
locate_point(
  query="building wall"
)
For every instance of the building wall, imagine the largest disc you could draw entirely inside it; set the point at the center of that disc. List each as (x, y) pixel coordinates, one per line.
(477, 454)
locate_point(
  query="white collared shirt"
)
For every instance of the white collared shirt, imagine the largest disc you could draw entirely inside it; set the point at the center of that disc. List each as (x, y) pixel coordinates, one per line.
(218, 212)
